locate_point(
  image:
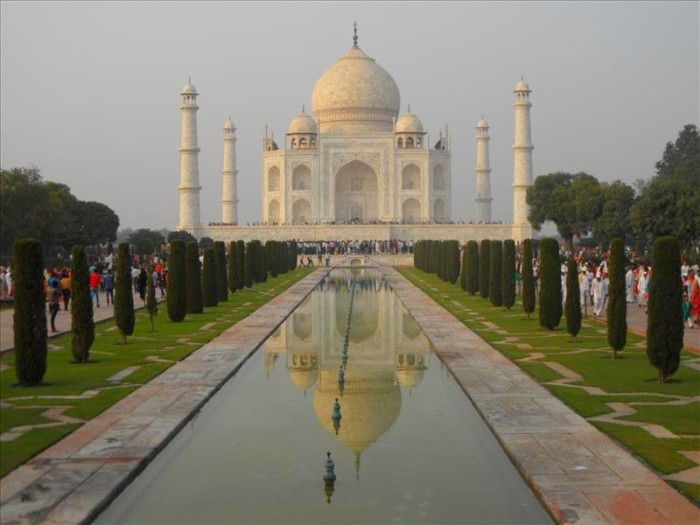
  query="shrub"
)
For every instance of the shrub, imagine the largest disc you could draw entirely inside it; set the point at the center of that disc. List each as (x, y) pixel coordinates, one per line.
(572, 307)
(177, 282)
(221, 276)
(550, 284)
(123, 296)
(209, 284)
(508, 273)
(194, 303)
(82, 324)
(484, 267)
(496, 273)
(29, 321)
(151, 303)
(665, 325)
(617, 300)
(528, 279)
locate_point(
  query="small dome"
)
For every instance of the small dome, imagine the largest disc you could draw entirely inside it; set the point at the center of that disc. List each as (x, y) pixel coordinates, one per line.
(228, 124)
(302, 123)
(410, 378)
(522, 86)
(482, 123)
(304, 379)
(189, 89)
(409, 123)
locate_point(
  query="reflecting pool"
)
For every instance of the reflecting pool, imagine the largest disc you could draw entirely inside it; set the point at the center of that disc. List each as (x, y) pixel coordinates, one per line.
(408, 446)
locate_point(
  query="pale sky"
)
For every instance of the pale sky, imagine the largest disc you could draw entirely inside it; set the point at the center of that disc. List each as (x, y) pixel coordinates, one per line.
(90, 91)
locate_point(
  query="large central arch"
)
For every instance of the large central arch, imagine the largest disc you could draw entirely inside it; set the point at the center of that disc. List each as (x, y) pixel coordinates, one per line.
(356, 193)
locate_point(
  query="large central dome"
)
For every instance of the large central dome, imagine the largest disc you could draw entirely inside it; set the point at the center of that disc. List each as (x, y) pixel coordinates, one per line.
(356, 95)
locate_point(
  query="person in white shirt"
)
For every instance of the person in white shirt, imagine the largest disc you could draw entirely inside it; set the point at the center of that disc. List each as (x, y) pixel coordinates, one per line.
(629, 285)
(600, 292)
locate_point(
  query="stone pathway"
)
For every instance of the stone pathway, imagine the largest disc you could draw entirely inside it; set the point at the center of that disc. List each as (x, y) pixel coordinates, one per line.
(580, 474)
(71, 481)
(63, 320)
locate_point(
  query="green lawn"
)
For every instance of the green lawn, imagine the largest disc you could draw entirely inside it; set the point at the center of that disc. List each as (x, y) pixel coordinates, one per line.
(630, 377)
(150, 352)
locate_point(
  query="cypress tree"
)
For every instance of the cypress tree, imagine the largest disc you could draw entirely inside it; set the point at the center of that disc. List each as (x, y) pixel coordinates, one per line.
(273, 254)
(665, 322)
(151, 303)
(240, 265)
(550, 284)
(123, 296)
(463, 271)
(508, 274)
(496, 273)
(194, 303)
(261, 274)
(232, 274)
(209, 278)
(249, 267)
(221, 280)
(176, 297)
(617, 300)
(484, 267)
(572, 306)
(528, 279)
(472, 267)
(82, 324)
(29, 321)
(293, 256)
(454, 261)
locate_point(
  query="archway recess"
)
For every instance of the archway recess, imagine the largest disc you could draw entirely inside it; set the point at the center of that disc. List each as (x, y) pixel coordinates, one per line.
(356, 193)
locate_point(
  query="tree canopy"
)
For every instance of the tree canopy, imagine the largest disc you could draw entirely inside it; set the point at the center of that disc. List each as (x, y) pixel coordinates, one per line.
(145, 241)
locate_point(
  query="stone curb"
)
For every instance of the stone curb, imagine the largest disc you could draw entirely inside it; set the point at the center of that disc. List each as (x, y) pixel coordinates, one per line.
(580, 474)
(74, 479)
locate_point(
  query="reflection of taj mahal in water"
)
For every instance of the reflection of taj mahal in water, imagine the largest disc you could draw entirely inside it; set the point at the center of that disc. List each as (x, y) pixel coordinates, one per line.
(355, 169)
(387, 352)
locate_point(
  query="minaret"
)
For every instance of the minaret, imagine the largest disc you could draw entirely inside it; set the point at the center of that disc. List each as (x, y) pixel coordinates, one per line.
(483, 172)
(229, 202)
(522, 152)
(189, 162)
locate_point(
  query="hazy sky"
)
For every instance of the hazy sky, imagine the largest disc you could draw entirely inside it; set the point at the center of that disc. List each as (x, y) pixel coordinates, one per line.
(90, 91)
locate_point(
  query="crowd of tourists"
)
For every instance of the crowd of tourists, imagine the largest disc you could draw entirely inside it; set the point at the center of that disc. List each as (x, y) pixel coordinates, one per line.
(373, 222)
(375, 247)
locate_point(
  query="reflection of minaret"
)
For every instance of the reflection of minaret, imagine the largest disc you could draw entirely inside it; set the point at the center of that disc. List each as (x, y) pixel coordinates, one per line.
(483, 172)
(189, 161)
(229, 202)
(522, 152)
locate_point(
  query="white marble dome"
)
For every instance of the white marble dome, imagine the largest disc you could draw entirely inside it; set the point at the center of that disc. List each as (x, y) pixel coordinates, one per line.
(188, 89)
(229, 124)
(482, 123)
(522, 86)
(409, 123)
(355, 95)
(302, 123)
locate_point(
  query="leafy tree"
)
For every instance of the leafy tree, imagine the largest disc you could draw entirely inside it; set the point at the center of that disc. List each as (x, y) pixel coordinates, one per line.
(181, 235)
(665, 324)
(550, 284)
(151, 303)
(221, 275)
(176, 298)
(123, 296)
(508, 274)
(233, 283)
(193, 280)
(145, 241)
(613, 221)
(572, 201)
(528, 279)
(209, 280)
(472, 267)
(572, 306)
(29, 322)
(681, 160)
(617, 299)
(484, 267)
(206, 242)
(82, 324)
(496, 273)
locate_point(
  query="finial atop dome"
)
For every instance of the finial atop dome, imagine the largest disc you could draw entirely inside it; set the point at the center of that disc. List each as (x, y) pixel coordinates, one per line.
(409, 108)
(354, 36)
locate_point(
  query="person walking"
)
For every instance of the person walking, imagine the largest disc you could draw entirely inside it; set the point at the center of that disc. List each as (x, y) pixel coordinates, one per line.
(54, 300)
(600, 292)
(65, 288)
(108, 282)
(141, 284)
(642, 288)
(629, 285)
(95, 282)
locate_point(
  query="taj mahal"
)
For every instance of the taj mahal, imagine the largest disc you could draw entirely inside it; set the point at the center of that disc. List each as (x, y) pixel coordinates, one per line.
(354, 169)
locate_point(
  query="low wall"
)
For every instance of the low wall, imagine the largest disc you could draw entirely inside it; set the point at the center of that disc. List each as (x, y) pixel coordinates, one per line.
(404, 232)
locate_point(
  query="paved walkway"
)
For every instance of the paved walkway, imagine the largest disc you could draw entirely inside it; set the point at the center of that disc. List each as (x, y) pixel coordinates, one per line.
(580, 474)
(71, 481)
(105, 311)
(637, 322)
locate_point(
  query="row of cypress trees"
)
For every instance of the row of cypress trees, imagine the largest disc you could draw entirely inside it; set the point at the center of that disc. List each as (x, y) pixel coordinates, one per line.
(190, 288)
(438, 257)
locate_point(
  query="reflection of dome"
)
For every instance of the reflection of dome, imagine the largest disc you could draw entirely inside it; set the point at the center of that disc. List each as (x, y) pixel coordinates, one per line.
(409, 123)
(304, 379)
(302, 123)
(370, 404)
(356, 94)
(410, 326)
(365, 316)
(410, 378)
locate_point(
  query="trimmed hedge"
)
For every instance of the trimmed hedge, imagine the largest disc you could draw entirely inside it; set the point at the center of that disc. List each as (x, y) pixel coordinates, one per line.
(177, 282)
(221, 274)
(484, 267)
(496, 273)
(617, 300)
(233, 283)
(194, 303)
(550, 284)
(508, 273)
(572, 306)
(240, 265)
(528, 279)
(123, 296)
(82, 324)
(209, 285)
(472, 273)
